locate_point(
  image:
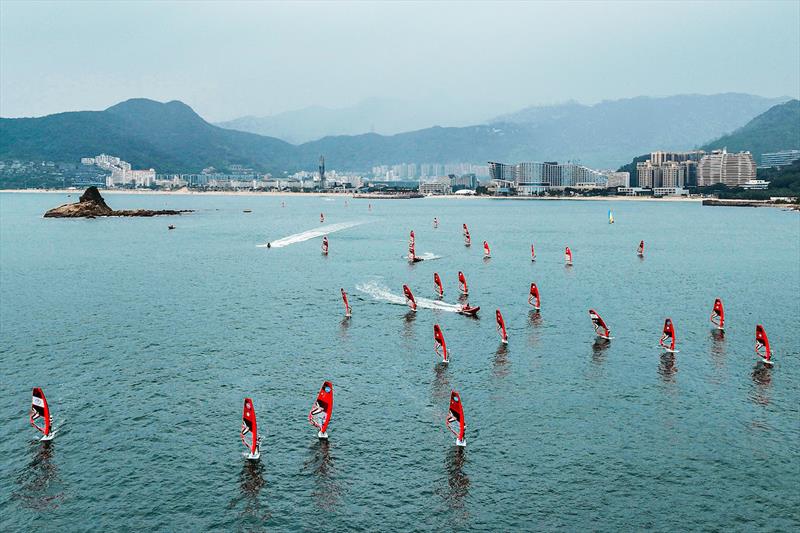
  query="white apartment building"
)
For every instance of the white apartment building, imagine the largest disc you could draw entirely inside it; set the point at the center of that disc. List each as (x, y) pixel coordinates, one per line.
(722, 167)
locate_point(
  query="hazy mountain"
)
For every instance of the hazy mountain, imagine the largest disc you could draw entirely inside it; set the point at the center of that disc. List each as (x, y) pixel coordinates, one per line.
(374, 115)
(166, 136)
(776, 129)
(171, 137)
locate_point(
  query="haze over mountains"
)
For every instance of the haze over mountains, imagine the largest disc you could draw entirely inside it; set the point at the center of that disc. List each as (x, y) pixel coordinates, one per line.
(171, 137)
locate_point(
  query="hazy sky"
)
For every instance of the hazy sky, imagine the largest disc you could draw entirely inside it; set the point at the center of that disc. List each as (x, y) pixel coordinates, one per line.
(468, 59)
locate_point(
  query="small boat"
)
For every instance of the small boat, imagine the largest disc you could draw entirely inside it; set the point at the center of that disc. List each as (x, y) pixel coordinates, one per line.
(247, 211)
(640, 250)
(171, 226)
(610, 217)
(568, 256)
(466, 310)
(487, 252)
(412, 253)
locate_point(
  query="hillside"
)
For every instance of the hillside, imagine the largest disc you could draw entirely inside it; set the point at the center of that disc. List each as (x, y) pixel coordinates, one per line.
(170, 137)
(776, 129)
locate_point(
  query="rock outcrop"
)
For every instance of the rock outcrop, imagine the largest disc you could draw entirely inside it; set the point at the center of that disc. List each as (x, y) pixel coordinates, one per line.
(91, 204)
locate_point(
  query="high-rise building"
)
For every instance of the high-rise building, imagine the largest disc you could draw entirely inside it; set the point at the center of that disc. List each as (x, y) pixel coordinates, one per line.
(534, 177)
(722, 167)
(779, 159)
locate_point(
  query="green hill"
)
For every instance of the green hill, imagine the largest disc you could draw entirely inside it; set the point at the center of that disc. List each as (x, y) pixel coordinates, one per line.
(776, 129)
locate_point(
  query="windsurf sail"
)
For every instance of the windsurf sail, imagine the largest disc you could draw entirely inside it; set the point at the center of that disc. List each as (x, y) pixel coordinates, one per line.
(439, 346)
(762, 345)
(40, 409)
(322, 217)
(347, 310)
(455, 417)
(600, 328)
(718, 314)
(568, 256)
(640, 251)
(412, 303)
(487, 253)
(464, 226)
(437, 284)
(533, 253)
(533, 297)
(320, 414)
(412, 255)
(501, 326)
(668, 333)
(250, 426)
(462, 283)
(610, 217)
(435, 222)
(467, 239)
(325, 245)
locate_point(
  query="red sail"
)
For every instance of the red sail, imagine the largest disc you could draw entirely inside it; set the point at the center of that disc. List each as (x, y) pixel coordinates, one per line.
(456, 416)
(533, 298)
(718, 314)
(411, 247)
(568, 256)
(669, 333)
(462, 283)
(599, 324)
(321, 411)
(40, 409)
(533, 253)
(440, 346)
(325, 245)
(501, 326)
(437, 284)
(640, 251)
(486, 251)
(412, 303)
(467, 238)
(347, 310)
(762, 344)
(249, 425)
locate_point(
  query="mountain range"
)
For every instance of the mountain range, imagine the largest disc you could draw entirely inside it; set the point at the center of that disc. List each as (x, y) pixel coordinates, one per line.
(171, 137)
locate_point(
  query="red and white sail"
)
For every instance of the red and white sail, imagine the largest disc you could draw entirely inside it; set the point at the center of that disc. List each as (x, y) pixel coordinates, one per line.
(568, 256)
(321, 411)
(462, 283)
(668, 334)
(348, 311)
(600, 327)
(467, 238)
(718, 314)
(533, 297)
(487, 252)
(412, 254)
(439, 344)
(325, 245)
(437, 285)
(501, 327)
(455, 418)
(640, 250)
(533, 253)
(412, 303)
(250, 426)
(40, 411)
(762, 345)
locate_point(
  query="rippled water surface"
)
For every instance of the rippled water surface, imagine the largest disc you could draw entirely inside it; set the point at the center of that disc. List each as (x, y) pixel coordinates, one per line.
(146, 341)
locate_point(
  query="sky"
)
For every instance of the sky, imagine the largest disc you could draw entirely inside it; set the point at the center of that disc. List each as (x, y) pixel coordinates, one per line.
(461, 61)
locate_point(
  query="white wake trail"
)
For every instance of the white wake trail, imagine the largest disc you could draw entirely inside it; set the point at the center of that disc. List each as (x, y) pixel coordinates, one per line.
(310, 234)
(379, 291)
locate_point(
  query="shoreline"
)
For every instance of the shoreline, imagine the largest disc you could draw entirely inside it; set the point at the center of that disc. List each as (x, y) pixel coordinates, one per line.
(185, 192)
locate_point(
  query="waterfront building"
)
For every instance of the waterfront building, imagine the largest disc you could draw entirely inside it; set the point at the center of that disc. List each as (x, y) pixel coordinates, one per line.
(731, 169)
(618, 179)
(435, 187)
(534, 177)
(779, 159)
(668, 169)
(755, 185)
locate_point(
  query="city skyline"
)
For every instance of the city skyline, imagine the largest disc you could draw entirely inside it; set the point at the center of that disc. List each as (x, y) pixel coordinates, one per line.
(445, 60)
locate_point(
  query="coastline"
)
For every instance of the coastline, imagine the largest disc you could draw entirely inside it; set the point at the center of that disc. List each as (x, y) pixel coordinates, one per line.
(185, 192)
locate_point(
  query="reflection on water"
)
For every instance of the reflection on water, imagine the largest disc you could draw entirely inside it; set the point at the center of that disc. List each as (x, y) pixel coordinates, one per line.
(251, 481)
(457, 482)
(344, 326)
(762, 379)
(441, 383)
(500, 366)
(408, 325)
(327, 492)
(718, 346)
(39, 482)
(535, 317)
(598, 350)
(667, 367)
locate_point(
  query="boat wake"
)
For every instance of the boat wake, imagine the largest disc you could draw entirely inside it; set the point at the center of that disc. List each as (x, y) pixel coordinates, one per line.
(378, 291)
(310, 234)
